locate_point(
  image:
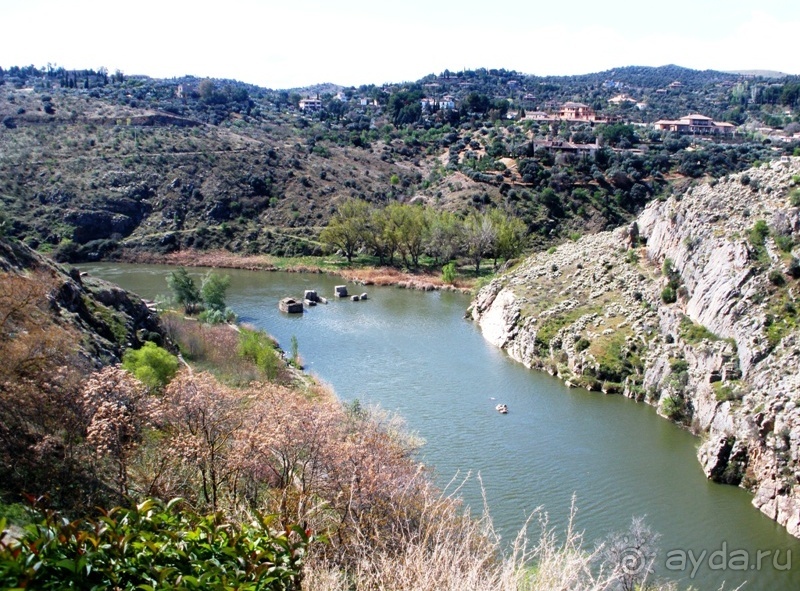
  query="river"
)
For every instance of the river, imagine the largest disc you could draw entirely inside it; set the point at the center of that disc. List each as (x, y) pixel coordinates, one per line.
(414, 353)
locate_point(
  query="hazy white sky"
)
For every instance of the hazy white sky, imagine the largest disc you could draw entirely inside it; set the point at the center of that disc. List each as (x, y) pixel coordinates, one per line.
(291, 43)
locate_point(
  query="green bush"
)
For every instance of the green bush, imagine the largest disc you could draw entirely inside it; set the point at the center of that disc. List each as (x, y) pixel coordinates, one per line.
(673, 408)
(794, 198)
(678, 365)
(582, 344)
(668, 295)
(259, 348)
(153, 546)
(794, 268)
(776, 278)
(693, 333)
(151, 365)
(217, 316)
(758, 233)
(449, 272)
(784, 242)
(727, 391)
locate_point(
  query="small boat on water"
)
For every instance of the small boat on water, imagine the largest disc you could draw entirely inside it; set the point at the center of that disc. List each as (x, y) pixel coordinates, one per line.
(502, 409)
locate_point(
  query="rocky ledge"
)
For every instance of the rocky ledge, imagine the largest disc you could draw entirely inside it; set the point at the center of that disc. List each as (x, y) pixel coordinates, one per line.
(693, 309)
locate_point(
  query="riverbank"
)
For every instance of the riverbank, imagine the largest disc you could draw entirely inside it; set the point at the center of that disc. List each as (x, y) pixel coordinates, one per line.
(364, 275)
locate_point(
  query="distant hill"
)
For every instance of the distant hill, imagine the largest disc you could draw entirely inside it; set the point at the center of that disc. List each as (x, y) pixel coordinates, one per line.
(761, 73)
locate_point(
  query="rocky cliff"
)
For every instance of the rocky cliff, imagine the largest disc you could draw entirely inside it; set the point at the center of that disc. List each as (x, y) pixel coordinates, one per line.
(693, 309)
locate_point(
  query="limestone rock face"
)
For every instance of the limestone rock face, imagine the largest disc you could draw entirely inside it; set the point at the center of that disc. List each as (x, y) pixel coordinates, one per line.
(721, 359)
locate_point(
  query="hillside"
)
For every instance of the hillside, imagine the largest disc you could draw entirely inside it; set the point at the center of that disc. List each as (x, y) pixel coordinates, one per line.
(692, 309)
(56, 328)
(94, 166)
(102, 319)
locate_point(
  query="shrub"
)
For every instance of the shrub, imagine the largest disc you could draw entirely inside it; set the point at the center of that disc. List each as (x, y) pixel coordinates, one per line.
(213, 316)
(259, 348)
(784, 242)
(693, 333)
(668, 295)
(758, 233)
(151, 365)
(449, 272)
(794, 268)
(776, 278)
(154, 545)
(727, 391)
(794, 198)
(582, 344)
(678, 365)
(673, 408)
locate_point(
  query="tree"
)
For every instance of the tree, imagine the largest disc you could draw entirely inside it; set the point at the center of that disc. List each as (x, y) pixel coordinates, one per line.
(347, 227)
(412, 230)
(375, 233)
(115, 405)
(480, 236)
(617, 132)
(477, 103)
(511, 233)
(204, 416)
(184, 289)
(446, 231)
(213, 291)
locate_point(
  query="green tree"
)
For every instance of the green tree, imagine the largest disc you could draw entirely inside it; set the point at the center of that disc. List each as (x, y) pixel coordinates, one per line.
(152, 365)
(185, 290)
(480, 237)
(446, 231)
(412, 228)
(511, 234)
(347, 227)
(617, 132)
(213, 291)
(375, 233)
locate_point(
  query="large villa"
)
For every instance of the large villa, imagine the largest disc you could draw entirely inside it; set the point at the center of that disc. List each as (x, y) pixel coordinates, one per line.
(695, 124)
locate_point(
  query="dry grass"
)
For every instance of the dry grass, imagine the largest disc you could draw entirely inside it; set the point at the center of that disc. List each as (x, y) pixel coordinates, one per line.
(451, 551)
(392, 276)
(202, 258)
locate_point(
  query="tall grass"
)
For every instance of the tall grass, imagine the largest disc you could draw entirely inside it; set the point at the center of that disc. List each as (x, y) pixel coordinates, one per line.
(449, 550)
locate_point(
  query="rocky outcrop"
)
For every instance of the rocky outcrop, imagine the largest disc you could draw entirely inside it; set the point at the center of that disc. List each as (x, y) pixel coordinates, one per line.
(693, 309)
(108, 319)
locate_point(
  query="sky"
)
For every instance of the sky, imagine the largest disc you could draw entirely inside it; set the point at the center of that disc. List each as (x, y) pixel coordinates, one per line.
(295, 43)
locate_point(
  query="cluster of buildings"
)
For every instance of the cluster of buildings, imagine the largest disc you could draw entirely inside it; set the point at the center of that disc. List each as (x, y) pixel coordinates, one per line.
(694, 124)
